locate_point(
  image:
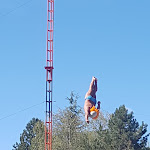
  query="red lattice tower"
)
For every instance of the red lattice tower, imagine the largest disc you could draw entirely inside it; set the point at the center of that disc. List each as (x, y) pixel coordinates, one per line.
(49, 74)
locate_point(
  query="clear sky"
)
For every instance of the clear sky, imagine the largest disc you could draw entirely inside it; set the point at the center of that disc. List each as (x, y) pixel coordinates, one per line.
(109, 39)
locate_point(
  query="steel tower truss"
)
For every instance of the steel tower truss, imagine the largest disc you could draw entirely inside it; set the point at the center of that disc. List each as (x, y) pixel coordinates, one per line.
(49, 74)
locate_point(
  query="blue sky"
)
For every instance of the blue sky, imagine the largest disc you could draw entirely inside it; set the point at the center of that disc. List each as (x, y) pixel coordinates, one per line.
(108, 39)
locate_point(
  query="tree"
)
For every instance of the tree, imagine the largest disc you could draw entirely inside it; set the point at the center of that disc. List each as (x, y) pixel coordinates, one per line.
(67, 126)
(118, 131)
(124, 132)
(96, 133)
(32, 135)
(70, 131)
(37, 143)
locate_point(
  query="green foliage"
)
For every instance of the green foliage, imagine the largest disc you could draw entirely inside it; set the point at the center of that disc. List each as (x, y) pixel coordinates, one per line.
(123, 133)
(67, 126)
(37, 143)
(32, 137)
(70, 131)
(118, 131)
(73, 107)
(126, 132)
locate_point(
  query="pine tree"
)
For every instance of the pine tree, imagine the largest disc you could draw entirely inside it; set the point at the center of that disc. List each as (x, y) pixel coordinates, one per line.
(38, 142)
(32, 137)
(125, 133)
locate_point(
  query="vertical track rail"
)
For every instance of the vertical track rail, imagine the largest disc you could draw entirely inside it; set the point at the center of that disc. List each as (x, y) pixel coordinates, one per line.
(49, 74)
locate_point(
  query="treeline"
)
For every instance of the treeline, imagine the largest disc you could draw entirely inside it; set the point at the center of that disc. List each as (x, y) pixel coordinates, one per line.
(117, 131)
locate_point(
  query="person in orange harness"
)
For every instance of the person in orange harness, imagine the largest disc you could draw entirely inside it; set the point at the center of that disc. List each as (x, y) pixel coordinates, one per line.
(90, 101)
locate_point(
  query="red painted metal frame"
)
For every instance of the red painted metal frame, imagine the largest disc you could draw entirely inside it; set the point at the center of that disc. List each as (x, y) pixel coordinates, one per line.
(49, 74)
